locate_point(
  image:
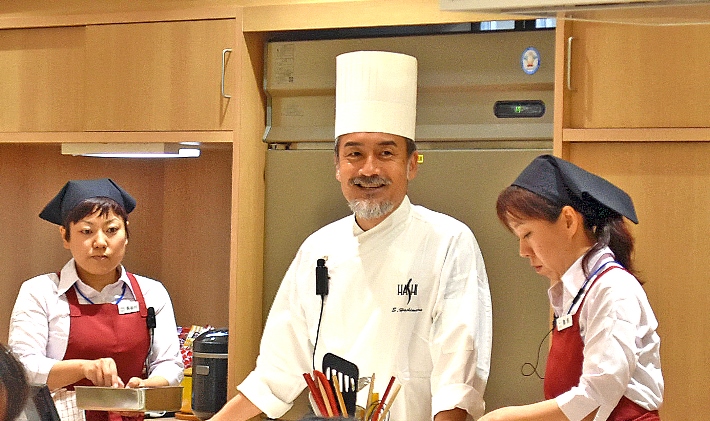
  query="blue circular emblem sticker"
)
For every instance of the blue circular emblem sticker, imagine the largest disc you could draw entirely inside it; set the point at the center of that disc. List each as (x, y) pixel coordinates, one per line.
(530, 60)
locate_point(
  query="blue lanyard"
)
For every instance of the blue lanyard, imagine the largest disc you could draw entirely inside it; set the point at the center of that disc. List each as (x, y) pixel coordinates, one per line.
(584, 285)
(123, 292)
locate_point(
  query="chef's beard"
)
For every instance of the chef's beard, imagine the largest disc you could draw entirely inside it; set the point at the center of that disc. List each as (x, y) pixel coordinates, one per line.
(367, 208)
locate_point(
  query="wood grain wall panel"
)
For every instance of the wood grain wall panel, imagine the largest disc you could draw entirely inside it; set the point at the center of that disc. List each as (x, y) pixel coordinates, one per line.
(195, 241)
(668, 182)
(247, 223)
(168, 223)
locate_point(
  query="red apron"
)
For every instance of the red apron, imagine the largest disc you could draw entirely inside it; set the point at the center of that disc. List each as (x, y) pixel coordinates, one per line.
(564, 368)
(98, 331)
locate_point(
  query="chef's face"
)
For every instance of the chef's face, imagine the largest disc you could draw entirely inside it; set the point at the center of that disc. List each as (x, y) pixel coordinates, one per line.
(98, 244)
(374, 170)
(546, 244)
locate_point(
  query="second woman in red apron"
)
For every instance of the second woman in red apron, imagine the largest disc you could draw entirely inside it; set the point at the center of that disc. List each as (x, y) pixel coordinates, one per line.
(604, 361)
(94, 323)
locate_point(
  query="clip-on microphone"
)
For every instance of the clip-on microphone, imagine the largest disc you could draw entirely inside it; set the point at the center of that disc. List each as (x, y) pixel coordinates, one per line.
(321, 278)
(150, 320)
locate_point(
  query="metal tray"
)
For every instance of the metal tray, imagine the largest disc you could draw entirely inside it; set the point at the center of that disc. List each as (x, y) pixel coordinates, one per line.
(168, 398)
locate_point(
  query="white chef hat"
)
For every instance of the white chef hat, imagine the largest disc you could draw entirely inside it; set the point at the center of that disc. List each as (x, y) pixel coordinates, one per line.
(376, 91)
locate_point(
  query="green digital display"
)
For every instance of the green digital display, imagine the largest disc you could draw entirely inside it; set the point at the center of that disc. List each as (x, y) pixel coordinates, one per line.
(519, 109)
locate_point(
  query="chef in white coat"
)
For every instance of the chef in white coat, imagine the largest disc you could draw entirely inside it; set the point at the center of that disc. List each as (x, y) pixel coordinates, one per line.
(407, 293)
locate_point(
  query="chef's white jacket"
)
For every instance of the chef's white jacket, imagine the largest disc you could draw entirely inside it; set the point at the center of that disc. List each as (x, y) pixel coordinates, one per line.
(408, 298)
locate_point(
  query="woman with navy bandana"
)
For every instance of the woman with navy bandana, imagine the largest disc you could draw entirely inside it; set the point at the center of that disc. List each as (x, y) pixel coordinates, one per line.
(604, 362)
(93, 322)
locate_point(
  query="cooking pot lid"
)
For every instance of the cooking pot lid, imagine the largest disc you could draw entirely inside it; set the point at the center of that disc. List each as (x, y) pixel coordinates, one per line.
(215, 341)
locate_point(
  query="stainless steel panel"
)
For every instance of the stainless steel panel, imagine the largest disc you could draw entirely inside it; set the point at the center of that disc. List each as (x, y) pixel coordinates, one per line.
(460, 77)
(168, 398)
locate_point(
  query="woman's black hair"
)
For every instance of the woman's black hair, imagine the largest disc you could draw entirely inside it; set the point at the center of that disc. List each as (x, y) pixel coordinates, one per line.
(607, 230)
(90, 206)
(14, 382)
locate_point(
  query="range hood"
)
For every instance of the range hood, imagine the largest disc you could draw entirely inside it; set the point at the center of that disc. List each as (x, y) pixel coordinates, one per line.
(547, 7)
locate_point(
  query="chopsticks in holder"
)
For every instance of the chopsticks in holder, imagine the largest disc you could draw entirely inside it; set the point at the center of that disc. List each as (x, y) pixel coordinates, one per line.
(389, 403)
(331, 405)
(376, 413)
(339, 395)
(328, 406)
(316, 393)
(371, 391)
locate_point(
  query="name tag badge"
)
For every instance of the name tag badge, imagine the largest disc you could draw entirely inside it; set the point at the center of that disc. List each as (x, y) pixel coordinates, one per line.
(126, 307)
(563, 322)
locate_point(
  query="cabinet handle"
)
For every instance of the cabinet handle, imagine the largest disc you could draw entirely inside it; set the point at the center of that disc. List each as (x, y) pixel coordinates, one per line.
(224, 60)
(569, 63)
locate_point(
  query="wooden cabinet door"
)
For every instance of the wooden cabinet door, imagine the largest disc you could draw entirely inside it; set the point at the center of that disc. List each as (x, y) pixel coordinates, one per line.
(160, 76)
(630, 109)
(633, 76)
(41, 79)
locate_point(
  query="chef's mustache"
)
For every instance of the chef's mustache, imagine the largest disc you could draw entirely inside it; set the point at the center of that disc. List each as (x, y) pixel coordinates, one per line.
(370, 181)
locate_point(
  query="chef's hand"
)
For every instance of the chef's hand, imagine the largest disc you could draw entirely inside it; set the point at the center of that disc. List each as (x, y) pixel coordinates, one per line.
(102, 372)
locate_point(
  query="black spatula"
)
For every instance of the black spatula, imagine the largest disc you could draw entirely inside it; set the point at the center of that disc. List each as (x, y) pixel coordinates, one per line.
(347, 374)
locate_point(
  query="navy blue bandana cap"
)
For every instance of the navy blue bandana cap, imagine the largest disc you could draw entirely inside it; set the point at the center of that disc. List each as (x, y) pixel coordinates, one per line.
(564, 183)
(76, 191)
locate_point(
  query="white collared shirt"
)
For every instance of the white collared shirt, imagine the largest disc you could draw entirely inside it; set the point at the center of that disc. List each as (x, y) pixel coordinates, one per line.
(39, 325)
(621, 345)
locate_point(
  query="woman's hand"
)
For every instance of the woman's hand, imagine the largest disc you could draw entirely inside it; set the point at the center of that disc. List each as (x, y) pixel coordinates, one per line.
(135, 382)
(102, 372)
(501, 414)
(154, 381)
(540, 411)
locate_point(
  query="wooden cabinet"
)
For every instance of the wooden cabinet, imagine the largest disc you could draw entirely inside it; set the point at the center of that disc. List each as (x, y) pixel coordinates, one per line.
(628, 106)
(41, 79)
(165, 76)
(633, 76)
(152, 76)
(158, 75)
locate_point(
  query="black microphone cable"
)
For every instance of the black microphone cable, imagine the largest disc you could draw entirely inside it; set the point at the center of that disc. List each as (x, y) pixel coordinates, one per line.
(537, 361)
(322, 290)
